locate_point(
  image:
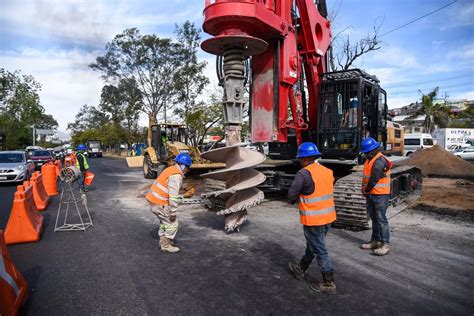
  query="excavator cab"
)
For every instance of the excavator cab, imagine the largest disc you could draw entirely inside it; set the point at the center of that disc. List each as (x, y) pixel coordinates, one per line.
(352, 107)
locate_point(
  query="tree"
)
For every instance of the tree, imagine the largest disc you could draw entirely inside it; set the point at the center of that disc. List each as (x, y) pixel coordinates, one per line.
(436, 114)
(151, 62)
(88, 117)
(343, 52)
(202, 118)
(190, 80)
(20, 108)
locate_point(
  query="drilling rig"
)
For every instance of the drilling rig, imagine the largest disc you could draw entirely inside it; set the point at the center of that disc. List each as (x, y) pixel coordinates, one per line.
(279, 49)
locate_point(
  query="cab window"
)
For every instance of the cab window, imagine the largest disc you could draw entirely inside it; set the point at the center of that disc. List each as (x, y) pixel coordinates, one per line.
(427, 142)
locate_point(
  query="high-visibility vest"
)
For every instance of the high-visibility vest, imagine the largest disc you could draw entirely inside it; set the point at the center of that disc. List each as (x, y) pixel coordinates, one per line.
(86, 165)
(383, 185)
(158, 192)
(318, 208)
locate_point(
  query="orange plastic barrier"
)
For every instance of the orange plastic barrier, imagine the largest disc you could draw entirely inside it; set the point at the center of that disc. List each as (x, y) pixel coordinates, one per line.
(25, 223)
(88, 178)
(50, 180)
(59, 166)
(13, 286)
(39, 193)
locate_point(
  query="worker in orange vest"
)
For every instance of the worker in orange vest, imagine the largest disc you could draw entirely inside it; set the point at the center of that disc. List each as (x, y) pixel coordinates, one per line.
(163, 198)
(313, 188)
(376, 189)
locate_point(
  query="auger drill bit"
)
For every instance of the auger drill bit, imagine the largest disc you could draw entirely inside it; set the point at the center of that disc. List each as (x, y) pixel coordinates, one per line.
(240, 192)
(240, 181)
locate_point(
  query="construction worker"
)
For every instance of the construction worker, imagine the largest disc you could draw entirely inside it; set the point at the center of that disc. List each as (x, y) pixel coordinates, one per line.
(163, 198)
(83, 165)
(376, 189)
(313, 188)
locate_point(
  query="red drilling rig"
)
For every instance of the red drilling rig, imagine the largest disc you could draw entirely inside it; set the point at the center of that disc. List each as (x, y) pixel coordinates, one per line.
(278, 48)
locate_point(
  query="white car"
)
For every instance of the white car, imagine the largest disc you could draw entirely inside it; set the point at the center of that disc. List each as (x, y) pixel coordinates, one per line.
(14, 166)
(466, 154)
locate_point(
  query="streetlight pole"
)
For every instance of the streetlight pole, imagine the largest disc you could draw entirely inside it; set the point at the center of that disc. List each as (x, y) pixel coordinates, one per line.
(34, 138)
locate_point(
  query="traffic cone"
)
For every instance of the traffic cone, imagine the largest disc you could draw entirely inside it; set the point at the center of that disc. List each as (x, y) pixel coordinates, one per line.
(39, 193)
(50, 180)
(13, 286)
(25, 223)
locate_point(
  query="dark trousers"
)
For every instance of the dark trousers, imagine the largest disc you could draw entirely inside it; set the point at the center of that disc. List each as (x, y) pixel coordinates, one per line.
(377, 205)
(316, 246)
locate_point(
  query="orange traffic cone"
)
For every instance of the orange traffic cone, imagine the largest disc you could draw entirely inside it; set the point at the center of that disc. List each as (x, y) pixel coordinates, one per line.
(13, 286)
(39, 193)
(25, 222)
(50, 179)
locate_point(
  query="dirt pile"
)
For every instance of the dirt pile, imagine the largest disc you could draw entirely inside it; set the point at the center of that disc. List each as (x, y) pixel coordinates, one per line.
(436, 161)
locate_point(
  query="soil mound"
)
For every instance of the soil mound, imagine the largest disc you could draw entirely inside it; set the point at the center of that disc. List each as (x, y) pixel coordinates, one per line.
(436, 161)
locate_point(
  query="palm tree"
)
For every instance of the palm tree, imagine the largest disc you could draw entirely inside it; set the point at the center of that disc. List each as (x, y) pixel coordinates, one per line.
(436, 114)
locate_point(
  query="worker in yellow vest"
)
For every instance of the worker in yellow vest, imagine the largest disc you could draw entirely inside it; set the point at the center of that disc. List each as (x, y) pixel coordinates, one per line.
(376, 189)
(83, 165)
(163, 198)
(313, 188)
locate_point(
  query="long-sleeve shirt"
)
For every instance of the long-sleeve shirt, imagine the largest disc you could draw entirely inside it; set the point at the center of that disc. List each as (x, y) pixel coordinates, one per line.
(378, 169)
(302, 184)
(174, 184)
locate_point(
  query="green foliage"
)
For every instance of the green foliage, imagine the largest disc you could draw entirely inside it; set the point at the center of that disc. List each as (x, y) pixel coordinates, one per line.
(436, 113)
(147, 61)
(20, 108)
(203, 118)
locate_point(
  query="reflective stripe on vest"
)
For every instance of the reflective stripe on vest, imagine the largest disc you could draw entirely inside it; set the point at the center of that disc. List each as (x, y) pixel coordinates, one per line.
(158, 192)
(86, 164)
(318, 208)
(7, 277)
(383, 184)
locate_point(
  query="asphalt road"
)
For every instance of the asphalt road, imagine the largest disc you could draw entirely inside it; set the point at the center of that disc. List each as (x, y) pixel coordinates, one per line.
(116, 267)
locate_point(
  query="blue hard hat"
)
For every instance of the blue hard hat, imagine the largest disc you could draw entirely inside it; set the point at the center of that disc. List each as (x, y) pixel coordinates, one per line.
(81, 147)
(368, 144)
(307, 149)
(184, 159)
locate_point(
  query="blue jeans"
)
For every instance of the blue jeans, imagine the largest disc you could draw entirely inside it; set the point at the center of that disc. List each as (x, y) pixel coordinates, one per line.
(377, 205)
(81, 179)
(316, 246)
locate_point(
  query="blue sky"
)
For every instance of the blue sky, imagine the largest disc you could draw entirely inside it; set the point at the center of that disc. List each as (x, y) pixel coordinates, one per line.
(55, 41)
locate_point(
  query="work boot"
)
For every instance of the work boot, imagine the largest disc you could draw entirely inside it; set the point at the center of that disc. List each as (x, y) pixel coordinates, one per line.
(373, 244)
(297, 271)
(382, 250)
(166, 246)
(327, 286)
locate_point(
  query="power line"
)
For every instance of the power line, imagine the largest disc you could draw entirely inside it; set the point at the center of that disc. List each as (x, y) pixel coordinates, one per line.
(419, 18)
(395, 85)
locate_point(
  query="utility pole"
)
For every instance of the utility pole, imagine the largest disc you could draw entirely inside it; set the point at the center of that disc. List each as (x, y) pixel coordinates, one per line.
(34, 136)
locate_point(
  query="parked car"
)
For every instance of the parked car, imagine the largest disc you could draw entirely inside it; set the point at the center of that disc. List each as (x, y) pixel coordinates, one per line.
(94, 148)
(14, 166)
(40, 157)
(466, 153)
(413, 142)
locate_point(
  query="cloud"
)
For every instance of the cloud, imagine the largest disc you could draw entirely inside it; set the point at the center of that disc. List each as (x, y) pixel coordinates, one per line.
(67, 82)
(465, 53)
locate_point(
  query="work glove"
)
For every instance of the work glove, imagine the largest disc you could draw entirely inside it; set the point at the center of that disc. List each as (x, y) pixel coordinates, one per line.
(172, 218)
(189, 192)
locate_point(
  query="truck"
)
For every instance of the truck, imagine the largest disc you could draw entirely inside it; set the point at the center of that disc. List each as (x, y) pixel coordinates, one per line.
(277, 50)
(453, 138)
(94, 148)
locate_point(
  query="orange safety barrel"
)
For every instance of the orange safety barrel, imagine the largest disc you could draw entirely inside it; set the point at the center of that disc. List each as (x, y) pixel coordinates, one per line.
(39, 193)
(25, 222)
(88, 178)
(58, 166)
(50, 179)
(13, 286)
